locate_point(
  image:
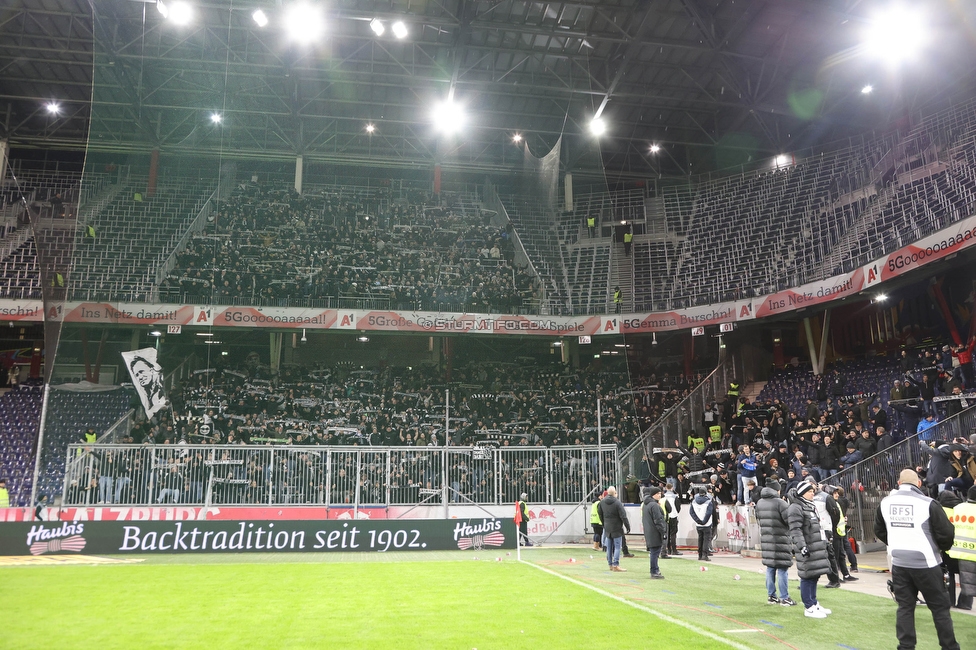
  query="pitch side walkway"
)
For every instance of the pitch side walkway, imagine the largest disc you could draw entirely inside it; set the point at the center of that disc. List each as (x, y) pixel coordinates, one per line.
(872, 577)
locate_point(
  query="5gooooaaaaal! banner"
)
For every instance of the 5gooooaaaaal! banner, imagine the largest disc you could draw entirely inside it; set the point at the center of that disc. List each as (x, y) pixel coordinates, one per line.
(141, 537)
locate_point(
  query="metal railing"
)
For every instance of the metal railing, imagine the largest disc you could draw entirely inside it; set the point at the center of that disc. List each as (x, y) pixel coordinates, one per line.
(679, 419)
(870, 481)
(335, 476)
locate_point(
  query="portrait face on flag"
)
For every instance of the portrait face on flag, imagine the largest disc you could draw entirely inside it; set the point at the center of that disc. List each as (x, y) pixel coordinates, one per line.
(147, 377)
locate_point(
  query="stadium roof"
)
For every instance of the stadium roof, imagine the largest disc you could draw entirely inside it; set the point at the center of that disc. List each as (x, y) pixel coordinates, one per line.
(713, 82)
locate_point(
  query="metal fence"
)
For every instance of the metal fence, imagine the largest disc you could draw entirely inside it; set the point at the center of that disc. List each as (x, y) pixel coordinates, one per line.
(682, 417)
(868, 482)
(334, 476)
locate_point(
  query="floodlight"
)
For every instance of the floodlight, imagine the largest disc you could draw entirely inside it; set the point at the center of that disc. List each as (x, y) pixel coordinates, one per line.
(880, 297)
(377, 26)
(867, 89)
(155, 333)
(370, 128)
(399, 29)
(517, 137)
(896, 34)
(180, 13)
(449, 117)
(597, 126)
(216, 118)
(304, 23)
(655, 148)
(162, 8)
(53, 108)
(260, 18)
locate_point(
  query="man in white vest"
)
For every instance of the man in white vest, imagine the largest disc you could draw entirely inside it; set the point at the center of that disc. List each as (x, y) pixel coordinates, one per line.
(916, 528)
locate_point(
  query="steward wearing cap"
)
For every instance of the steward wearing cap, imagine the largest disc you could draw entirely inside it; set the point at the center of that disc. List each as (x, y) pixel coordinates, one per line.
(964, 547)
(916, 528)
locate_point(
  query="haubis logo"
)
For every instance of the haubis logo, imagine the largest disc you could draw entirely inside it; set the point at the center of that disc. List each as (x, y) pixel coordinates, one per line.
(66, 537)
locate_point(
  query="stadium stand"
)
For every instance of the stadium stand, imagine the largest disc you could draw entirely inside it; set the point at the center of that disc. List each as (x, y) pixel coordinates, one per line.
(70, 414)
(20, 415)
(270, 246)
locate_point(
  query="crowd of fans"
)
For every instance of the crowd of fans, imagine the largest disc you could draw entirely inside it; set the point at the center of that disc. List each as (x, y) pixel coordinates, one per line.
(762, 440)
(239, 411)
(270, 245)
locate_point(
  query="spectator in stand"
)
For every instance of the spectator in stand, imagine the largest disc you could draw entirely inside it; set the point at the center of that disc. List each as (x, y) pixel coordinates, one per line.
(879, 417)
(866, 444)
(883, 439)
(746, 465)
(955, 406)
(964, 356)
(923, 429)
(964, 469)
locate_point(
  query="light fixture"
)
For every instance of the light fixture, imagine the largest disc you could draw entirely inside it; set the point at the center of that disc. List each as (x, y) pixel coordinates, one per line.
(653, 338)
(162, 8)
(782, 160)
(180, 13)
(448, 117)
(655, 148)
(304, 338)
(880, 297)
(867, 89)
(155, 333)
(53, 108)
(377, 26)
(362, 339)
(260, 18)
(896, 34)
(597, 126)
(304, 23)
(370, 128)
(216, 118)
(399, 29)
(517, 138)
(557, 344)
(204, 333)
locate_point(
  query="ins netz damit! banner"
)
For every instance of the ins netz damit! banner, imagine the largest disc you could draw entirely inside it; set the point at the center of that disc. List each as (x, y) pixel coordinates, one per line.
(137, 537)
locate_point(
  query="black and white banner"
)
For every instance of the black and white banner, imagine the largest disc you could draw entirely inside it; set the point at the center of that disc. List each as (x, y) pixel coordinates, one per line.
(283, 536)
(147, 377)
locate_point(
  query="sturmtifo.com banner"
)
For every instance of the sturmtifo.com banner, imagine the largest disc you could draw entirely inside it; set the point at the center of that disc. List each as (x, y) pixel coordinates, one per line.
(137, 537)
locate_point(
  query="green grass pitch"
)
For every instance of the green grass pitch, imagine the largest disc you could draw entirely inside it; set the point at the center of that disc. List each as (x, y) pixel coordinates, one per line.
(433, 600)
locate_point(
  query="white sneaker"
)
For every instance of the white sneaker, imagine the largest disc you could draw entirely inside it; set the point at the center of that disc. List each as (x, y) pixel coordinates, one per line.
(813, 612)
(823, 609)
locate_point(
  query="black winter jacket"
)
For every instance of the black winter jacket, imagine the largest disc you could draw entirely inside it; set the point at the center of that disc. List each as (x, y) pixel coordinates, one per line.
(774, 528)
(614, 517)
(805, 533)
(655, 528)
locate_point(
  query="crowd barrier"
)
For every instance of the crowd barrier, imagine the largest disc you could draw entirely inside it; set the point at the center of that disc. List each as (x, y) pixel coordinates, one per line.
(353, 477)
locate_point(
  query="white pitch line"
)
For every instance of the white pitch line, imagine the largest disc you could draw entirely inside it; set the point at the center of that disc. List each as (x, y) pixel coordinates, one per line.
(663, 617)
